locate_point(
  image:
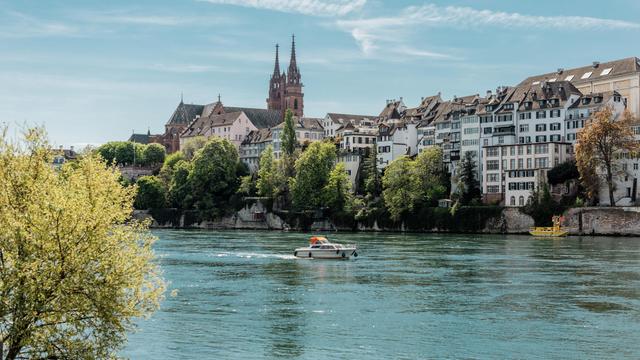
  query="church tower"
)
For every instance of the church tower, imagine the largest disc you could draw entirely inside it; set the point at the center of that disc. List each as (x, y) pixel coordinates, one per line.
(285, 89)
(276, 86)
(293, 91)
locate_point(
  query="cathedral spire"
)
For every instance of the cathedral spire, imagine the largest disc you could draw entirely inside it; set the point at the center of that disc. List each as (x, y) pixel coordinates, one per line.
(293, 67)
(276, 68)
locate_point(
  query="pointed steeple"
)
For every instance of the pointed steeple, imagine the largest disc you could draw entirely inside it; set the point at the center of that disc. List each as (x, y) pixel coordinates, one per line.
(293, 74)
(276, 68)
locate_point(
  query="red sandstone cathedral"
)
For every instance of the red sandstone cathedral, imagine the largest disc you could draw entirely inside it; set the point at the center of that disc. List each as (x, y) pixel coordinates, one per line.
(285, 92)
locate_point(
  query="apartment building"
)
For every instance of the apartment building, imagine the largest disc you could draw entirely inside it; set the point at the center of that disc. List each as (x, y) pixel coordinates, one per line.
(306, 129)
(252, 147)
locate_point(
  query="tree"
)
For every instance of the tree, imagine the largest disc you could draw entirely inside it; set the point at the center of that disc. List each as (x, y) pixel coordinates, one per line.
(151, 193)
(563, 172)
(598, 149)
(337, 194)
(372, 180)
(288, 140)
(213, 176)
(179, 193)
(75, 269)
(430, 178)
(468, 187)
(312, 173)
(192, 145)
(153, 154)
(170, 161)
(267, 173)
(117, 152)
(398, 185)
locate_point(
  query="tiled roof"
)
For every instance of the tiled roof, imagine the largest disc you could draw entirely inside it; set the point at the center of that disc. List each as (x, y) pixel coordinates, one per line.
(589, 100)
(577, 75)
(342, 118)
(261, 118)
(257, 136)
(185, 113)
(304, 123)
(202, 124)
(139, 138)
(556, 90)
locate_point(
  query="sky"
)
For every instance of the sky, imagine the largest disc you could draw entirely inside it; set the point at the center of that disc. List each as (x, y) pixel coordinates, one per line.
(95, 71)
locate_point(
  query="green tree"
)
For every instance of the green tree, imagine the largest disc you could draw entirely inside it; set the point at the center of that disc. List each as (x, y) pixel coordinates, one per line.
(75, 269)
(267, 174)
(312, 173)
(153, 154)
(288, 140)
(151, 193)
(179, 193)
(192, 145)
(247, 186)
(372, 179)
(468, 186)
(117, 152)
(399, 187)
(213, 177)
(337, 194)
(429, 177)
(170, 161)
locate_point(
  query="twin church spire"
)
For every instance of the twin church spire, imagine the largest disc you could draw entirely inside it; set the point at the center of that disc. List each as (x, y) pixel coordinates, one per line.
(285, 89)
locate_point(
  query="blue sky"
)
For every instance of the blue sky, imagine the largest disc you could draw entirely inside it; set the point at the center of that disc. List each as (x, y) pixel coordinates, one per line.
(92, 71)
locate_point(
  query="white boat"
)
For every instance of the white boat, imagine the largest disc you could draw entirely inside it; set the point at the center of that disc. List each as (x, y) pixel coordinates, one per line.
(321, 248)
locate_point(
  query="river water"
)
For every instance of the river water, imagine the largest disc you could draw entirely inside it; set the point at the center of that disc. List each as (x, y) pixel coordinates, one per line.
(242, 295)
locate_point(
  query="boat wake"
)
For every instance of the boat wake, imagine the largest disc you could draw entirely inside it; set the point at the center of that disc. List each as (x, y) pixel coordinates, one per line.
(253, 255)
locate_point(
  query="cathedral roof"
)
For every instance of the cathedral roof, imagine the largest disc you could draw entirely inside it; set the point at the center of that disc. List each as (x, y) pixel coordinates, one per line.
(261, 118)
(185, 113)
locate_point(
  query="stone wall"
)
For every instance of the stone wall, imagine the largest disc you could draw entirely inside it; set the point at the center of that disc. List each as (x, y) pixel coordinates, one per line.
(603, 221)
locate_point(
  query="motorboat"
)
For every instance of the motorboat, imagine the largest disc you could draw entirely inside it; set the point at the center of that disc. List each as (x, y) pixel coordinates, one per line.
(550, 231)
(320, 248)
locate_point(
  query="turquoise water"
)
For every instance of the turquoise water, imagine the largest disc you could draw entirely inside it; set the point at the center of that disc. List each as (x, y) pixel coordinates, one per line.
(241, 295)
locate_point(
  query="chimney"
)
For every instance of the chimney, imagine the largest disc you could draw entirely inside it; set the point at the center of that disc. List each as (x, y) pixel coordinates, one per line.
(488, 93)
(560, 71)
(596, 64)
(400, 98)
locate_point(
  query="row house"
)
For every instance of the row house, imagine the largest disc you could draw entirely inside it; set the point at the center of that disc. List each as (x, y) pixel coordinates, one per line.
(252, 147)
(396, 138)
(356, 138)
(307, 130)
(333, 121)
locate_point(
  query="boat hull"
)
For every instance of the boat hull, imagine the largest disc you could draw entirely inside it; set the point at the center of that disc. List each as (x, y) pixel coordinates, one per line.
(542, 233)
(345, 253)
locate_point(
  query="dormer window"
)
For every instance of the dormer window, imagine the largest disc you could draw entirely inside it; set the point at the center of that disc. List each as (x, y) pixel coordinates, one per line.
(597, 99)
(542, 103)
(585, 101)
(616, 98)
(528, 104)
(508, 106)
(605, 72)
(586, 75)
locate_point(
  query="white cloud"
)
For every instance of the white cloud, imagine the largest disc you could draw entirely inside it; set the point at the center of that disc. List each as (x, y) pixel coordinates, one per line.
(20, 25)
(307, 7)
(370, 33)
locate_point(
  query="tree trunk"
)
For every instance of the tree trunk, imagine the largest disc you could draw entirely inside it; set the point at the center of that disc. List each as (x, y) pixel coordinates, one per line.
(612, 200)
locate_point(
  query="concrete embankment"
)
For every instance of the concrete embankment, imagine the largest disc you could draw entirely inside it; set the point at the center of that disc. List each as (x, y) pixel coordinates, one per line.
(579, 221)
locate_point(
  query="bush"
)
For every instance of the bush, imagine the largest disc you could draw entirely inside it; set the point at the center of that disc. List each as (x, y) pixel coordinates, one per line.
(151, 193)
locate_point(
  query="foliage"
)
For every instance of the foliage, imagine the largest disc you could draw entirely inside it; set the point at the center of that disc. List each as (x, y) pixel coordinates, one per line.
(337, 191)
(179, 193)
(312, 174)
(468, 186)
(191, 146)
(398, 184)
(166, 171)
(288, 139)
(598, 148)
(563, 172)
(431, 180)
(247, 186)
(151, 193)
(75, 270)
(267, 173)
(213, 177)
(153, 154)
(371, 177)
(542, 206)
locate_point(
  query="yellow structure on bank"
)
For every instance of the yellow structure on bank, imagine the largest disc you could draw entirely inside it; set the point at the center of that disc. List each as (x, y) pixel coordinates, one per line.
(553, 231)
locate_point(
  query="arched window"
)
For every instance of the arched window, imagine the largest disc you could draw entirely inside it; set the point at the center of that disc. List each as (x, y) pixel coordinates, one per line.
(295, 104)
(521, 200)
(513, 201)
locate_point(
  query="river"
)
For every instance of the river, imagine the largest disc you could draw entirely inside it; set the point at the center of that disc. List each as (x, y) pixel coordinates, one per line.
(242, 295)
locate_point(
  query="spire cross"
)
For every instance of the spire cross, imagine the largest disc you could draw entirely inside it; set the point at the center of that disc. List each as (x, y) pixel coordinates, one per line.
(218, 97)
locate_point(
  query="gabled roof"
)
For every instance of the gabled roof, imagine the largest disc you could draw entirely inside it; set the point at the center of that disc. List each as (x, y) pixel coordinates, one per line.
(556, 90)
(304, 123)
(139, 138)
(257, 136)
(599, 71)
(261, 118)
(589, 100)
(342, 118)
(200, 125)
(184, 114)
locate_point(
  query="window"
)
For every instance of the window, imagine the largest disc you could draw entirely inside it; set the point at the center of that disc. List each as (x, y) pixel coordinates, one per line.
(541, 138)
(512, 164)
(552, 80)
(529, 163)
(521, 200)
(554, 113)
(493, 189)
(488, 130)
(492, 178)
(492, 152)
(541, 149)
(500, 139)
(586, 75)
(605, 72)
(524, 128)
(554, 126)
(569, 78)
(513, 201)
(555, 137)
(541, 127)
(520, 163)
(541, 114)
(493, 165)
(525, 116)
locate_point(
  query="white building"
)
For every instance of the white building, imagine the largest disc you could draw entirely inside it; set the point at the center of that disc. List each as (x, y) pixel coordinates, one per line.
(307, 130)
(252, 147)
(396, 138)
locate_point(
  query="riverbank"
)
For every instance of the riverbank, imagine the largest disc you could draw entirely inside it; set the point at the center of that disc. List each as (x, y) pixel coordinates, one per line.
(621, 221)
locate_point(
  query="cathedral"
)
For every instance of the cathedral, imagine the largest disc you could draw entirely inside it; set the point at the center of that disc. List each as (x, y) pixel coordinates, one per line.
(285, 92)
(285, 89)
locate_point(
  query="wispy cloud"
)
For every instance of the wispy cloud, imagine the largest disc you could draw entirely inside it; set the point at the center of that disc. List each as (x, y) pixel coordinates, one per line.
(370, 33)
(307, 7)
(19, 25)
